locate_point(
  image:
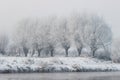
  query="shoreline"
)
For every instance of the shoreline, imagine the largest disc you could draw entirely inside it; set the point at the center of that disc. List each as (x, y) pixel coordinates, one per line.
(55, 64)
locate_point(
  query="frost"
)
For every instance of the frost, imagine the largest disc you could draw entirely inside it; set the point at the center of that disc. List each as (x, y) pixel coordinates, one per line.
(55, 64)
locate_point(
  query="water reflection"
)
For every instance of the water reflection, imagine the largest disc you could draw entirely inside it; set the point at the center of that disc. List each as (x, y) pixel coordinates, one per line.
(22, 79)
(106, 78)
(63, 76)
(93, 78)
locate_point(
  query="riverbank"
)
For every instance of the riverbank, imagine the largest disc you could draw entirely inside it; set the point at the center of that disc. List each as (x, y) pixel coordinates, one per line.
(55, 64)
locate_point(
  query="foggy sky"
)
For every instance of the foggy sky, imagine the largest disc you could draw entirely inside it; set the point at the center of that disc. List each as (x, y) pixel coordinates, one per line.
(12, 11)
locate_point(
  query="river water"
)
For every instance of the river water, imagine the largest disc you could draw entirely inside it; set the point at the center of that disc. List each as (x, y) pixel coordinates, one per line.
(62, 76)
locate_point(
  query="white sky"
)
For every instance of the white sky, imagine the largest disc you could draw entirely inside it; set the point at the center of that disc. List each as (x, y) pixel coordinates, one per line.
(11, 11)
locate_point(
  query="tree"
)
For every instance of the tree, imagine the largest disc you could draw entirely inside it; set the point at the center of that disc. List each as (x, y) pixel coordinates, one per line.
(23, 35)
(4, 40)
(77, 30)
(51, 35)
(79, 25)
(100, 34)
(116, 50)
(64, 35)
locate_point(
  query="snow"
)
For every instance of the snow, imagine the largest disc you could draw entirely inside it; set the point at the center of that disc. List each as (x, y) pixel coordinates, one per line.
(55, 64)
(59, 52)
(85, 52)
(73, 52)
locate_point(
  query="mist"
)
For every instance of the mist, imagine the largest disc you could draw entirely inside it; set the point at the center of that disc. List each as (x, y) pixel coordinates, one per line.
(12, 11)
(59, 36)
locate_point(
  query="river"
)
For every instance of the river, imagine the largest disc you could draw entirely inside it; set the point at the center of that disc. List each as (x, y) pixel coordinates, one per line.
(62, 76)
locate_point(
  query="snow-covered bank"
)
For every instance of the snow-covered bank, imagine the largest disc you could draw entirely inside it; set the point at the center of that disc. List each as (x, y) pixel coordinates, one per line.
(55, 64)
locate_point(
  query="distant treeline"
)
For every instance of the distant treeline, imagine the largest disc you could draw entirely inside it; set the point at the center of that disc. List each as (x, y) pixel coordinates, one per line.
(73, 35)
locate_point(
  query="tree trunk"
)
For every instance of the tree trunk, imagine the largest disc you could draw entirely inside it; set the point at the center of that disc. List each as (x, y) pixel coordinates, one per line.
(39, 51)
(25, 51)
(79, 51)
(33, 52)
(93, 52)
(66, 50)
(3, 52)
(52, 52)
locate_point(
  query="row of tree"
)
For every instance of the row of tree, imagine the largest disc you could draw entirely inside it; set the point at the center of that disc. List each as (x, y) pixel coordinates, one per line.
(45, 35)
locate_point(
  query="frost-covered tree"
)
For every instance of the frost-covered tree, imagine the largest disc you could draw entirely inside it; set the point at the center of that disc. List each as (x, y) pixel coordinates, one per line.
(24, 34)
(99, 34)
(37, 40)
(51, 34)
(78, 24)
(77, 30)
(116, 50)
(4, 40)
(64, 35)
